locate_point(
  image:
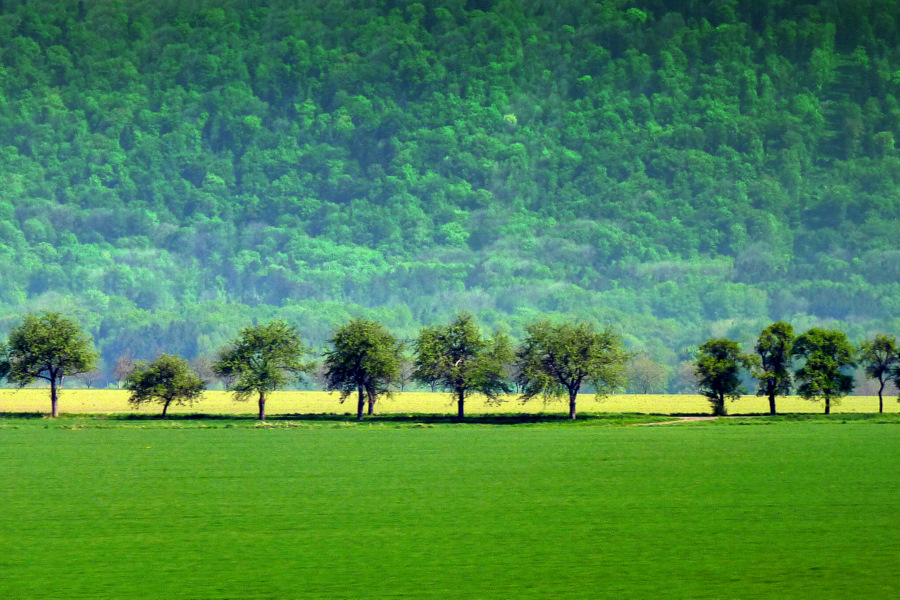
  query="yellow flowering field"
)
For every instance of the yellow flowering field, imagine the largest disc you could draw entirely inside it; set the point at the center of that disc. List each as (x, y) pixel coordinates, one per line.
(217, 402)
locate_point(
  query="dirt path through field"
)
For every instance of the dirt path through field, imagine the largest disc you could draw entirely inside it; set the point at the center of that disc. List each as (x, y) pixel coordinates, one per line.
(679, 420)
(692, 419)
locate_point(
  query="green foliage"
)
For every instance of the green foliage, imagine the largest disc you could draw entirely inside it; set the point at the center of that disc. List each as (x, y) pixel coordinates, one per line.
(658, 166)
(718, 368)
(167, 380)
(772, 362)
(49, 346)
(828, 356)
(262, 359)
(364, 357)
(880, 359)
(555, 360)
(458, 359)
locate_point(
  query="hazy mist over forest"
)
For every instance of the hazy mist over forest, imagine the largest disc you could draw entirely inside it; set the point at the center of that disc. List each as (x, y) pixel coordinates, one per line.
(172, 170)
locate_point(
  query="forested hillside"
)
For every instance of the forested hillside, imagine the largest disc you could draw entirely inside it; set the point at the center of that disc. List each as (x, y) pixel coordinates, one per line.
(171, 170)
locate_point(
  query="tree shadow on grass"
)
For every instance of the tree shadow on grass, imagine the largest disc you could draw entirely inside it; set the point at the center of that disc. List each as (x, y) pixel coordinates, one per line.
(392, 418)
(24, 415)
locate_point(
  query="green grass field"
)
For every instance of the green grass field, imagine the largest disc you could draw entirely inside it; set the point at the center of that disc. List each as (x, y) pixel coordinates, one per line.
(803, 507)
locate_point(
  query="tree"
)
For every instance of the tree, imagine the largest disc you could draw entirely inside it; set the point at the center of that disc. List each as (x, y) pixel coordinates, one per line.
(880, 360)
(262, 359)
(49, 346)
(168, 379)
(456, 358)
(364, 357)
(407, 369)
(124, 365)
(645, 375)
(718, 368)
(555, 360)
(93, 376)
(772, 363)
(828, 354)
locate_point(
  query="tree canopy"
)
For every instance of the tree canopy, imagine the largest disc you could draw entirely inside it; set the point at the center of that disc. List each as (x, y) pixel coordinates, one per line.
(169, 169)
(718, 368)
(556, 360)
(457, 358)
(772, 362)
(364, 358)
(167, 380)
(828, 357)
(880, 359)
(49, 346)
(263, 359)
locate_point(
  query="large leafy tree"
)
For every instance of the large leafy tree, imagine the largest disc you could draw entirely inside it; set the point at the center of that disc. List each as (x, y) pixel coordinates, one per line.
(556, 360)
(49, 346)
(458, 359)
(262, 359)
(772, 362)
(168, 379)
(364, 358)
(718, 369)
(828, 355)
(880, 359)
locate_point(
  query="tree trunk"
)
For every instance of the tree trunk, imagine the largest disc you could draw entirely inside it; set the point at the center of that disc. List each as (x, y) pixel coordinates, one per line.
(54, 400)
(360, 404)
(772, 403)
(880, 399)
(165, 408)
(461, 406)
(572, 397)
(262, 406)
(827, 406)
(371, 409)
(719, 407)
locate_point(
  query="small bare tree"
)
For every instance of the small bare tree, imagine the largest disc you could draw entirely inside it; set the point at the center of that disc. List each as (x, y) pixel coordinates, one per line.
(92, 377)
(123, 368)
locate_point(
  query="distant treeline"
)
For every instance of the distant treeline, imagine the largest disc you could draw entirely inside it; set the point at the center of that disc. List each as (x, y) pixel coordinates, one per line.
(684, 169)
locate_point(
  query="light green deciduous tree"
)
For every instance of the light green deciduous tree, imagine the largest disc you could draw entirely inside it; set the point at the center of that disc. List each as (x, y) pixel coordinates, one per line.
(556, 360)
(49, 346)
(364, 358)
(262, 359)
(458, 359)
(168, 379)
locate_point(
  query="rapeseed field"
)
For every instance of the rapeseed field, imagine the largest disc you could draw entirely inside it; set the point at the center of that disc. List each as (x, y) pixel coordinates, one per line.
(79, 401)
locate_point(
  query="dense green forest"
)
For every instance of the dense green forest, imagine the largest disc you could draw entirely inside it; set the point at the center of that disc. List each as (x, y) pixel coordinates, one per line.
(173, 170)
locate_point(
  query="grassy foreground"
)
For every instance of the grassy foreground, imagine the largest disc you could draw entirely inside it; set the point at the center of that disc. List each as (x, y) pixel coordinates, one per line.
(793, 509)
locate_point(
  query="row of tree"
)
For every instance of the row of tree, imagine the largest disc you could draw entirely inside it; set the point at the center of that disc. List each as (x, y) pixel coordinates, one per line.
(365, 358)
(827, 357)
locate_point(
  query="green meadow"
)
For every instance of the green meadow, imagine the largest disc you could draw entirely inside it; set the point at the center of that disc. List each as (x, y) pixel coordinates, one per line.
(803, 507)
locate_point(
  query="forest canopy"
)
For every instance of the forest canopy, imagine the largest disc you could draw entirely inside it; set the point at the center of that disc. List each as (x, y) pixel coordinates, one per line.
(171, 171)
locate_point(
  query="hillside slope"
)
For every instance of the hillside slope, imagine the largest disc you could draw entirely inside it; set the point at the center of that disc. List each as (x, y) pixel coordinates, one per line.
(169, 170)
